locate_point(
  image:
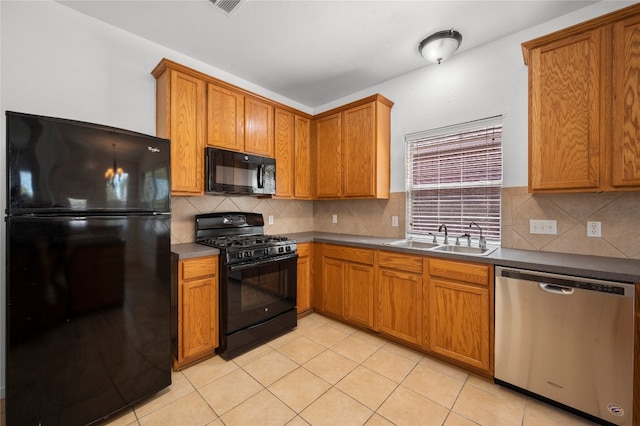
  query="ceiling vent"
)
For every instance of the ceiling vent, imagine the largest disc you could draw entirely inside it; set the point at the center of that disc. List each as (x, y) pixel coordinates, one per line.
(227, 6)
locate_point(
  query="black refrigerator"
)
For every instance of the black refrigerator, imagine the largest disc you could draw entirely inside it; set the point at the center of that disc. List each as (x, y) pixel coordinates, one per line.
(87, 270)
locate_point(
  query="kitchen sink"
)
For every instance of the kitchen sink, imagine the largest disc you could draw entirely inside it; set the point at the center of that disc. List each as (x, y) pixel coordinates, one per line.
(422, 245)
(476, 251)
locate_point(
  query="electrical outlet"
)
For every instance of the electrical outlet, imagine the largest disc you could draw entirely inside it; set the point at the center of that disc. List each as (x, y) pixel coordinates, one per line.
(394, 221)
(334, 219)
(549, 227)
(270, 220)
(594, 229)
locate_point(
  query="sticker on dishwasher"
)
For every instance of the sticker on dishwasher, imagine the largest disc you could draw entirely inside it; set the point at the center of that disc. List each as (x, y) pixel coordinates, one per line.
(615, 409)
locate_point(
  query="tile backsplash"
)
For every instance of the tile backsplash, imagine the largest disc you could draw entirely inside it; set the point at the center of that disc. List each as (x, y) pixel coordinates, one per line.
(289, 216)
(619, 214)
(358, 217)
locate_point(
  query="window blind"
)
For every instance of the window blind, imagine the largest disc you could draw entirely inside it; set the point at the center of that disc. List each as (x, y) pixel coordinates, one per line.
(454, 177)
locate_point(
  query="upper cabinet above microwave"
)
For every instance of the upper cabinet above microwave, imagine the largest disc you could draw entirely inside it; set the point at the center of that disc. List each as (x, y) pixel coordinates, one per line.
(584, 100)
(239, 122)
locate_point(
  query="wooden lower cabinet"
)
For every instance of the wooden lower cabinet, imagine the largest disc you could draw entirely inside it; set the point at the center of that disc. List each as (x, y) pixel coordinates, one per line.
(439, 306)
(460, 300)
(400, 285)
(305, 277)
(359, 294)
(347, 283)
(197, 310)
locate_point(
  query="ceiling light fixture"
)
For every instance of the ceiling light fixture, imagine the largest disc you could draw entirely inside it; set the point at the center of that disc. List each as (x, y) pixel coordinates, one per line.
(439, 46)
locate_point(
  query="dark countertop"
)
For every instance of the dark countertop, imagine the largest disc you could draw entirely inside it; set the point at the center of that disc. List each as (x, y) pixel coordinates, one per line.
(189, 250)
(597, 267)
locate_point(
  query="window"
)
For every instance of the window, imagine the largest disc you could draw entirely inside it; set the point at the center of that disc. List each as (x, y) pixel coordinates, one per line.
(454, 177)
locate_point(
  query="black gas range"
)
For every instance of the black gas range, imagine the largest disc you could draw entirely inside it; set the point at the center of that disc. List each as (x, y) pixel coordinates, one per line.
(257, 279)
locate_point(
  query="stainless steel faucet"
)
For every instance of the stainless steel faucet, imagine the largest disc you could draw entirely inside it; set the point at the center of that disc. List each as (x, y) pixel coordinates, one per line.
(446, 235)
(482, 243)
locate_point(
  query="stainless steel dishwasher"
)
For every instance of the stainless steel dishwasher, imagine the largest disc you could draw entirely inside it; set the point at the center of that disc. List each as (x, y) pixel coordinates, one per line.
(566, 340)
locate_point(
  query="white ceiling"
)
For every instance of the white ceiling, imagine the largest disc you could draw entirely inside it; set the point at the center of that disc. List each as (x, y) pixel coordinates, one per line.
(317, 51)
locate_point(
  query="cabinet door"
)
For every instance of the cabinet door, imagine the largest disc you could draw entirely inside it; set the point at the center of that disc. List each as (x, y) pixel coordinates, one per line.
(625, 147)
(305, 255)
(259, 122)
(225, 112)
(333, 286)
(459, 322)
(284, 151)
(400, 305)
(359, 151)
(359, 294)
(302, 149)
(566, 114)
(187, 133)
(329, 157)
(199, 316)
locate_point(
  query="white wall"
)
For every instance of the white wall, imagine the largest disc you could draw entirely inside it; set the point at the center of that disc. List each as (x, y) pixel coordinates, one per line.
(56, 61)
(483, 82)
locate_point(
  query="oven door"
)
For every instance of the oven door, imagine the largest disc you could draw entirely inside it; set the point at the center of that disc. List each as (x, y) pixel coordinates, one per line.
(258, 291)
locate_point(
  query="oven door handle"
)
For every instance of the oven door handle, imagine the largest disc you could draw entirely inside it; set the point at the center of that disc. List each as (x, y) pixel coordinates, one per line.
(266, 261)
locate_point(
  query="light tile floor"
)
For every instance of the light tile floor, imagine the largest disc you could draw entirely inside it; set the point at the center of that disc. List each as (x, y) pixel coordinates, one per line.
(327, 373)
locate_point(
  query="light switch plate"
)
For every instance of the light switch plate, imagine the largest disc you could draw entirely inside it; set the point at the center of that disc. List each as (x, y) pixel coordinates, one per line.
(549, 227)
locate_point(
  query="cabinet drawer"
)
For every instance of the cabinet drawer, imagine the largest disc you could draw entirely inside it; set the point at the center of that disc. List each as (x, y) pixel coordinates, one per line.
(349, 254)
(201, 267)
(459, 271)
(401, 262)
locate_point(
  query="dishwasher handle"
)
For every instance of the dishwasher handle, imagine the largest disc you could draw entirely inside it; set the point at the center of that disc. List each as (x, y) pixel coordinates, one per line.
(556, 289)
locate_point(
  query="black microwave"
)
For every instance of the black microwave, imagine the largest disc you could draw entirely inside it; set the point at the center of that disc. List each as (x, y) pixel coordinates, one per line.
(229, 172)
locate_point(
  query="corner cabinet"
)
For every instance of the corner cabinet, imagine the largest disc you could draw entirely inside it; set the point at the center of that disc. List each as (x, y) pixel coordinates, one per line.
(197, 308)
(460, 313)
(584, 90)
(181, 117)
(353, 150)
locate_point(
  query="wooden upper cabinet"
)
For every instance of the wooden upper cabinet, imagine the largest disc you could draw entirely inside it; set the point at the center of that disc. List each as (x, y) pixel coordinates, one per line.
(366, 147)
(565, 110)
(239, 123)
(329, 156)
(353, 150)
(302, 154)
(584, 93)
(181, 117)
(225, 118)
(284, 150)
(258, 130)
(626, 104)
(292, 154)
